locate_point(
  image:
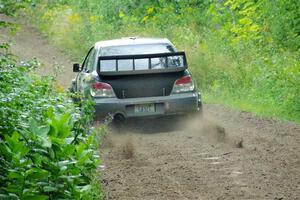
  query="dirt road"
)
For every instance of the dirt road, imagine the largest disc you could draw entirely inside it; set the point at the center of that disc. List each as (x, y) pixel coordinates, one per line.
(28, 43)
(225, 155)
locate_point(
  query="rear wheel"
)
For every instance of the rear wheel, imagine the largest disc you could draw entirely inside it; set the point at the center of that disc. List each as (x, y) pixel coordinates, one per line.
(118, 122)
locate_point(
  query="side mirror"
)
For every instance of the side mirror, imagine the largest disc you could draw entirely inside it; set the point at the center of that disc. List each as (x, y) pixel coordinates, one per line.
(76, 67)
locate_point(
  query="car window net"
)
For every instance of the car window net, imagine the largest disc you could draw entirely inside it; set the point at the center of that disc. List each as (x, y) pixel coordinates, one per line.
(143, 62)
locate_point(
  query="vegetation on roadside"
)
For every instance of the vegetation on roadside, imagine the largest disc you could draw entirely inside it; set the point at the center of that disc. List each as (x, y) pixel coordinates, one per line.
(47, 147)
(243, 53)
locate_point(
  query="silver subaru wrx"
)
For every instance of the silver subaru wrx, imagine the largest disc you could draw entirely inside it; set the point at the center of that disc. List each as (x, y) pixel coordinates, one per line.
(137, 77)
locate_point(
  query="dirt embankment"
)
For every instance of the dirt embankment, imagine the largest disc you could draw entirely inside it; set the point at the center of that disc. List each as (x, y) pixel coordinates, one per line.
(226, 155)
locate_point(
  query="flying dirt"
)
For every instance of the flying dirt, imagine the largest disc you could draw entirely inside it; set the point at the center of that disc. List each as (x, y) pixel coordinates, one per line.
(225, 154)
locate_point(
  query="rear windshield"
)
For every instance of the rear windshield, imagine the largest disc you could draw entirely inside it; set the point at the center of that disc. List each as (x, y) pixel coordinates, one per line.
(136, 49)
(111, 65)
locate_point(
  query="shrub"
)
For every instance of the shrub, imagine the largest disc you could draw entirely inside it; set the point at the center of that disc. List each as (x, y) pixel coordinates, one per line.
(47, 150)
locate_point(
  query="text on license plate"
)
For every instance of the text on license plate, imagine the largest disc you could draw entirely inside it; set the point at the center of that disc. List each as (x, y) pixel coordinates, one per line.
(144, 108)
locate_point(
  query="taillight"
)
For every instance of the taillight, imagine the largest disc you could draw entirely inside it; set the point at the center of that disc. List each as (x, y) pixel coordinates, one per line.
(100, 89)
(184, 84)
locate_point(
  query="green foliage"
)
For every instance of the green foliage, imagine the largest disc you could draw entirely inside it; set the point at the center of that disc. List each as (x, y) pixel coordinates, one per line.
(9, 7)
(46, 162)
(47, 148)
(243, 53)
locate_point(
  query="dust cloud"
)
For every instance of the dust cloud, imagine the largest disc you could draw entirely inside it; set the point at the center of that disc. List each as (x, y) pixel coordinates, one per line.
(126, 142)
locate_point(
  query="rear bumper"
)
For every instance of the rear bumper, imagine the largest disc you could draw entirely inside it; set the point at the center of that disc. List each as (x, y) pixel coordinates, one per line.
(176, 104)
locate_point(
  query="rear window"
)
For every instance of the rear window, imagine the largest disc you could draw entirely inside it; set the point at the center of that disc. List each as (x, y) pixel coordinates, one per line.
(136, 49)
(140, 64)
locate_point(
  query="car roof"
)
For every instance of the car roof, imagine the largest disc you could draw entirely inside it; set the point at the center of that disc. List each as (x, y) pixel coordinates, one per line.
(131, 41)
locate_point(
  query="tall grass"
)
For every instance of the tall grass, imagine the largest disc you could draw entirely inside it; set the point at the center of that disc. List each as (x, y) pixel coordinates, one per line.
(237, 51)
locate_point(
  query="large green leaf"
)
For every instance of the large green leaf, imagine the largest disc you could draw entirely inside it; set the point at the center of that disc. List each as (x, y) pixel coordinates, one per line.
(68, 150)
(49, 189)
(9, 197)
(36, 174)
(16, 146)
(35, 197)
(15, 174)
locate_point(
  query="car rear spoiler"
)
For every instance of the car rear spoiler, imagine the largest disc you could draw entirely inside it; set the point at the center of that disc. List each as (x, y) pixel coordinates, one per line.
(152, 63)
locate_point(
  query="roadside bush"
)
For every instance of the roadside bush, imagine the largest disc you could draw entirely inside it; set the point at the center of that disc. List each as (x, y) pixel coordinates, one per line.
(47, 149)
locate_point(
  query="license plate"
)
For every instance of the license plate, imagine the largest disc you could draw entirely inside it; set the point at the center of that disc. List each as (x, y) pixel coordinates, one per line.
(144, 108)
